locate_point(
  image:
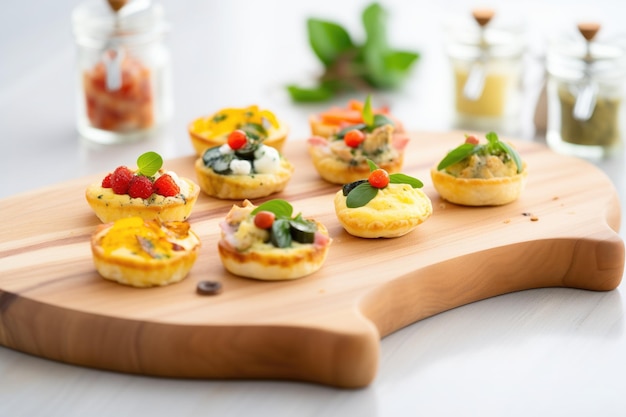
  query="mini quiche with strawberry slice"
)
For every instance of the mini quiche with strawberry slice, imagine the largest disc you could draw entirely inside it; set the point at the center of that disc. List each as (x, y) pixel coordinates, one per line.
(269, 243)
(149, 192)
(342, 157)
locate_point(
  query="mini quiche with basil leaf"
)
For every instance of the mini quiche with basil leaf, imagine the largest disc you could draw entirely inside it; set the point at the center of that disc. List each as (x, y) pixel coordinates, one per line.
(269, 243)
(475, 174)
(342, 157)
(242, 168)
(384, 205)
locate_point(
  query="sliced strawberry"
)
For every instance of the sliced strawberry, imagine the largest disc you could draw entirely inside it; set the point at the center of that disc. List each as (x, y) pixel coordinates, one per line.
(120, 180)
(106, 182)
(140, 187)
(166, 186)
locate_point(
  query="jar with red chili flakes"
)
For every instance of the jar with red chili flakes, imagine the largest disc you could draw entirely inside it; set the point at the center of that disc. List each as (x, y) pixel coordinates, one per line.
(123, 66)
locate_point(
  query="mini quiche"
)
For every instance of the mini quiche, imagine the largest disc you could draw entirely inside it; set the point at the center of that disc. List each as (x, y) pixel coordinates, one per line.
(382, 206)
(475, 174)
(342, 158)
(328, 123)
(148, 192)
(144, 253)
(269, 243)
(242, 168)
(210, 131)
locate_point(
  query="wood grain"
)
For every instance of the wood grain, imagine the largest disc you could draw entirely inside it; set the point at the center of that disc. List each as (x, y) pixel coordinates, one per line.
(324, 328)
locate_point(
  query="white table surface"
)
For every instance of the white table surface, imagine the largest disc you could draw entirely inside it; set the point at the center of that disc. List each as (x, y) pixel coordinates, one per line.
(556, 352)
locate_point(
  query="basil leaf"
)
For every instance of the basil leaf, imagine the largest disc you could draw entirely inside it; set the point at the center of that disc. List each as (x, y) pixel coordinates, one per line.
(361, 195)
(400, 61)
(513, 154)
(368, 115)
(149, 163)
(458, 154)
(405, 179)
(281, 235)
(382, 120)
(372, 165)
(328, 40)
(280, 208)
(319, 93)
(495, 145)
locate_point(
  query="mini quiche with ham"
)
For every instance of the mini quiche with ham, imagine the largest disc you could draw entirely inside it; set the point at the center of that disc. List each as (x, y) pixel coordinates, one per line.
(269, 243)
(144, 253)
(148, 192)
(342, 157)
(475, 174)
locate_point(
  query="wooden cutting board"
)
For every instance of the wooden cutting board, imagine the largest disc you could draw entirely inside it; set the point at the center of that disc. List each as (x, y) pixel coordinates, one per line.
(326, 327)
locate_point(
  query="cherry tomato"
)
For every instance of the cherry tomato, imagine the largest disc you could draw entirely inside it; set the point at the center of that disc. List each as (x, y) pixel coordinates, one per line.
(237, 139)
(472, 139)
(264, 219)
(379, 178)
(353, 138)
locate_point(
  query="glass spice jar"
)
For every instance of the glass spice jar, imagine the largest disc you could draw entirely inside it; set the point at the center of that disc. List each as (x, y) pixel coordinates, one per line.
(486, 54)
(585, 94)
(123, 70)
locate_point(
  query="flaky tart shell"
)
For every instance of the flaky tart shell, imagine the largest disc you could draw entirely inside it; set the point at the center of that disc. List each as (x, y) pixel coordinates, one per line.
(275, 264)
(132, 270)
(395, 211)
(201, 142)
(109, 206)
(237, 187)
(337, 171)
(479, 191)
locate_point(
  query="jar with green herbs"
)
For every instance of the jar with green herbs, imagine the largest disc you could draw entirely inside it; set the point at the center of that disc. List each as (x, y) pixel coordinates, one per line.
(585, 97)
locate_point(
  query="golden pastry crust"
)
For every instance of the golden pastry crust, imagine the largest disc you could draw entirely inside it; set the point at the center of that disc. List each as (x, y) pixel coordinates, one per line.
(262, 260)
(119, 256)
(237, 187)
(109, 206)
(395, 211)
(479, 191)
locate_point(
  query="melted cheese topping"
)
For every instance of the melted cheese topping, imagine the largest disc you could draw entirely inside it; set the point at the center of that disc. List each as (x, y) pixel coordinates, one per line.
(134, 237)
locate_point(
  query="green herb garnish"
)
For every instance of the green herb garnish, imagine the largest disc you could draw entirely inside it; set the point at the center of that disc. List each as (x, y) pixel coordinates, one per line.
(350, 66)
(149, 164)
(493, 147)
(364, 192)
(286, 227)
(372, 121)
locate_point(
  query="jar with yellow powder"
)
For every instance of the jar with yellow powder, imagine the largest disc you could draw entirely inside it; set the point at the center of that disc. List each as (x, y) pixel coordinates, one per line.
(585, 93)
(486, 54)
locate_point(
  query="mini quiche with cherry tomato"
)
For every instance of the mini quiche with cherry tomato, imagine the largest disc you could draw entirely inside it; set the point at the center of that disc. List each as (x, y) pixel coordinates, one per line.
(383, 205)
(148, 191)
(242, 168)
(342, 157)
(213, 130)
(269, 243)
(480, 174)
